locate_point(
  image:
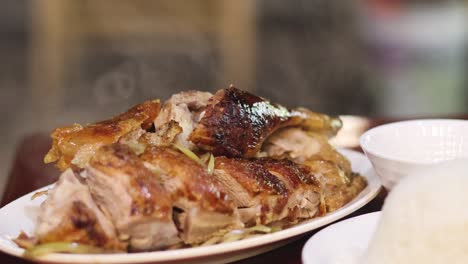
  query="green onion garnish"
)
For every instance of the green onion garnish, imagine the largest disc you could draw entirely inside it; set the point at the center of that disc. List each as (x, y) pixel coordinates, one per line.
(61, 247)
(205, 157)
(189, 154)
(211, 164)
(232, 237)
(260, 228)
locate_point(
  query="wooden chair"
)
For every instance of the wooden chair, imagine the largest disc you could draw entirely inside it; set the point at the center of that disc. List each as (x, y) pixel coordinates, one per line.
(62, 29)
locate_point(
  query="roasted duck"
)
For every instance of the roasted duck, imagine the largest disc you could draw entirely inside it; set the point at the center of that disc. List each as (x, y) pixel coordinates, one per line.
(132, 197)
(189, 171)
(236, 123)
(311, 149)
(74, 145)
(202, 208)
(268, 190)
(70, 214)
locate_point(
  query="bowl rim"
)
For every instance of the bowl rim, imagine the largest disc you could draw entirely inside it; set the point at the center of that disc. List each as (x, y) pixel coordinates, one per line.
(367, 150)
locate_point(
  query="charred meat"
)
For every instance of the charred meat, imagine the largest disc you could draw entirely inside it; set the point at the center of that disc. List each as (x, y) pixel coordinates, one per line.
(236, 123)
(268, 190)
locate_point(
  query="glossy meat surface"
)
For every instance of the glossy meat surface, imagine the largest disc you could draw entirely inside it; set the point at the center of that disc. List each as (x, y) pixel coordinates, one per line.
(268, 190)
(338, 186)
(203, 210)
(253, 176)
(145, 190)
(193, 180)
(133, 196)
(74, 145)
(235, 123)
(331, 169)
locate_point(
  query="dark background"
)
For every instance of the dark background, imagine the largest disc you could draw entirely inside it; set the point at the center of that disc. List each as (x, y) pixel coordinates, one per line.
(85, 60)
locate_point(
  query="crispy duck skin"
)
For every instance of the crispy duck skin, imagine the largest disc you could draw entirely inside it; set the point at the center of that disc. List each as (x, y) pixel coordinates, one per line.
(304, 188)
(332, 170)
(70, 215)
(338, 186)
(73, 145)
(196, 183)
(205, 209)
(137, 192)
(133, 197)
(268, 190)
(235, 123)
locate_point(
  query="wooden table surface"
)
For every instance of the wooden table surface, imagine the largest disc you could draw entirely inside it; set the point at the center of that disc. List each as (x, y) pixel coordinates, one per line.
(29, 173)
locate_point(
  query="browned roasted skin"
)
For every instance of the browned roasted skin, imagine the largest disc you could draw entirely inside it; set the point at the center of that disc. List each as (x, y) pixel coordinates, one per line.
(148, 196)
(281, 188)
(294, 174)
(25, 241)
(197, 184)
(252, 176)
(203, 210)
(332, 170)
(296, 177)
(269, 190)
(75, 139)
(134, 198)
(235, 123)
(338, 186)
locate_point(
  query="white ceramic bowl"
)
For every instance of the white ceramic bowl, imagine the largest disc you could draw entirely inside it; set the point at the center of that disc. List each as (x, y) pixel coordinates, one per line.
(402, 148)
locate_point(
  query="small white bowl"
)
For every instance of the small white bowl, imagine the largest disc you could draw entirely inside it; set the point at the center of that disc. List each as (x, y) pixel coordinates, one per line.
(402, 148)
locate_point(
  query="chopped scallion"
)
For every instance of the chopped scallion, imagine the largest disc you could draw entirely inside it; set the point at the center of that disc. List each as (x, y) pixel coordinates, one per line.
(260, 228)
(61, 247)
(189, 154)
(211, 164)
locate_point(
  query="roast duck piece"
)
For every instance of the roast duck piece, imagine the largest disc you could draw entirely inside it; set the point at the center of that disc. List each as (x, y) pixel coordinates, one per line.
(195, 167)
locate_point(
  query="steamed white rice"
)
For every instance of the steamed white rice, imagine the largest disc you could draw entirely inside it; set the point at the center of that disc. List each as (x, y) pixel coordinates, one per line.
(424, 219)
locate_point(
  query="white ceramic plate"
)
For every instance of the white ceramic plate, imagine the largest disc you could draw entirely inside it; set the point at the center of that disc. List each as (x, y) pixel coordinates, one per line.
(341, 243)
(21, 215)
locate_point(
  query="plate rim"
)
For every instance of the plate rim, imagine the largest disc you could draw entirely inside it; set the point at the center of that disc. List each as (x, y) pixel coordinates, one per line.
(219, 249)
(307, 259)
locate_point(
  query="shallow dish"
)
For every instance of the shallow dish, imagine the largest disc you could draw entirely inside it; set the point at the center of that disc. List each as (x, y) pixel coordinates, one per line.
(341, 243)
(21, 215)
(402, 148)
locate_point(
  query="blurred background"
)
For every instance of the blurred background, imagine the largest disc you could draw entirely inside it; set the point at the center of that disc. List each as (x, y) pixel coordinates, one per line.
(86, 60)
